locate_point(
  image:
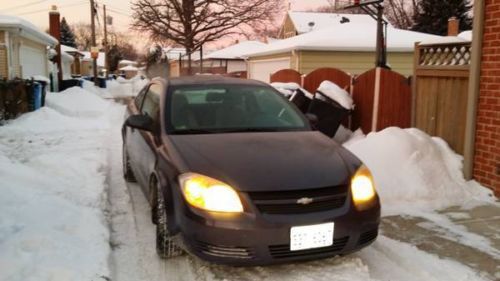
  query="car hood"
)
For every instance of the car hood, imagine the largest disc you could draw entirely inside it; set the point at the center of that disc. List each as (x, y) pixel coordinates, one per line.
(266, 161)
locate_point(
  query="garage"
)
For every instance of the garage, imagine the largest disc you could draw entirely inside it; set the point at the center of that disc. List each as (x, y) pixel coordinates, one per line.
(33, 61)
(262, 69)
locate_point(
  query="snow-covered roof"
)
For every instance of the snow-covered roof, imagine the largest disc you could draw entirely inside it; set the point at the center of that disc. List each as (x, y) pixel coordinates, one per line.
(173, 53)
(303, 20)
(127, 62)
(129, 68)
(9, 21)
(69, 50)
(467, 35)
(236, 51)
(350, 38)
(101, 60)
(444, 40)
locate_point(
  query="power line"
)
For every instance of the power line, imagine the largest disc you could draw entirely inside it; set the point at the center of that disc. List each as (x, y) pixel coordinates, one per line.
(24, 5)
(46, 10)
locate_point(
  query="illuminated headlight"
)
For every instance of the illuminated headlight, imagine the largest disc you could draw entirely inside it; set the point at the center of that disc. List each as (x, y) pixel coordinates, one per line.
(362, 187)
(209, 194)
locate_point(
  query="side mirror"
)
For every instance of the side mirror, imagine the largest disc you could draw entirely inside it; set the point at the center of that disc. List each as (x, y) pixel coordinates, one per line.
(141, 122)
(313, 120)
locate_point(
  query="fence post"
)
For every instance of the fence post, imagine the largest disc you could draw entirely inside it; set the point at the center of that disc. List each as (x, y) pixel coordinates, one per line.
(376, 98)
(416, 60)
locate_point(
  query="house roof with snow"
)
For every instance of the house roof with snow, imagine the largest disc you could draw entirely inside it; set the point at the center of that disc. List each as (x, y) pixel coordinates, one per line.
(350, 37)
(71, 50)
(27, 29)
(129, 68)
(307, 21)
(236, 51)
(127, 62)
(101, 60)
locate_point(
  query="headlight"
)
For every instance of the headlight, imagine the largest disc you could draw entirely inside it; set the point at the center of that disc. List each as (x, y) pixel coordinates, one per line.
(209, 194)
(362, 186)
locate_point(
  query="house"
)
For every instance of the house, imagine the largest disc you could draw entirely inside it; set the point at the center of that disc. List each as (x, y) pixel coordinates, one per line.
(348, 46)
(129, 71)
(87, 64)
(231, 59)
(71, 61)
(297, 23)
(483, 118)
(23, 49)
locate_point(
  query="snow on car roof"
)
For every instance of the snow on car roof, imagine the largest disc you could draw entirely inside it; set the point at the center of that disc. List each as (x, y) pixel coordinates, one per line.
(302, 20)
(9, 21)
(348, 37)
(236, 51)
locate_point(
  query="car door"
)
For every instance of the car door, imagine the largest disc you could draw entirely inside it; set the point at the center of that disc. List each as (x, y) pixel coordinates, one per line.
(132, 137)
(149, 141)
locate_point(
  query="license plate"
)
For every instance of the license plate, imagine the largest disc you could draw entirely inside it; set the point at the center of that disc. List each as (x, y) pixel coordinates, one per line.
(311, 236)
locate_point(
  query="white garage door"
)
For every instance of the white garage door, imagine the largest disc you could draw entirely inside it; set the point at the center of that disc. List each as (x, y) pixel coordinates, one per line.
(33, 61)
(262, 70)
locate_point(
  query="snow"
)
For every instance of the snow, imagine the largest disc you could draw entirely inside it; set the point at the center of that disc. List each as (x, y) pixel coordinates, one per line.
(129, 68)
(334, 92)
(444, 40)
(348, 37)
(53, 166)
(10, 21)
(237, 51)
(288, 89)
(127, 62)
(301, 20)
(69, 50)
(467, 35)
(414, 171)
(41, 78)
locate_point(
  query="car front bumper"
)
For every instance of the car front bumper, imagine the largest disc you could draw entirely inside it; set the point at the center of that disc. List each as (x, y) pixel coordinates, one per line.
(254, 239)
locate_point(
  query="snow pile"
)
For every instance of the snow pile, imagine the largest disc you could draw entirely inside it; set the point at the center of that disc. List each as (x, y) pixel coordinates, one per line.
(412, 169)
(119, 88)
(334, 92)
(77, 102)
(53, 170)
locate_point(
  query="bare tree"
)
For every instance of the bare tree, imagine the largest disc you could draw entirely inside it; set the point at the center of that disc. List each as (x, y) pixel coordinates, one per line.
(192, 23)
(400, 12)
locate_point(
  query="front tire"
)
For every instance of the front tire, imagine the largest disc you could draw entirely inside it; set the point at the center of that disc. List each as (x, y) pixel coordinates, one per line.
(165, 245)
(128, 175)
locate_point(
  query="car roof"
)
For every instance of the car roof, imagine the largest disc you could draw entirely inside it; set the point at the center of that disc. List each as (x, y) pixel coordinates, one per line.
(210, 80)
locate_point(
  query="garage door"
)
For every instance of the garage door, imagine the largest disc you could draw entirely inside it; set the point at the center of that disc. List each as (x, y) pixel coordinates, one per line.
(33, 61)
(262, 70)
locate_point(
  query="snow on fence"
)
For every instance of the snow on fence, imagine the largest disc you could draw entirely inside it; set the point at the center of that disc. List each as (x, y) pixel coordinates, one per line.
(382, 97)
(441, 89)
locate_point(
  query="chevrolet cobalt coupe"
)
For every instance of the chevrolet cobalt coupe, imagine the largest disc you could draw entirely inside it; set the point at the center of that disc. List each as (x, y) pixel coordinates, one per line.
(236, 175)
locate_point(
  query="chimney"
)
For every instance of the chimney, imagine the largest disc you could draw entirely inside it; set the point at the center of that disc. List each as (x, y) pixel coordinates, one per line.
(453, 26)
(55, 31)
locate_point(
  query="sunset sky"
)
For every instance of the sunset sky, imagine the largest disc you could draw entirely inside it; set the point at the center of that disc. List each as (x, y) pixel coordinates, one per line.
(36, 11)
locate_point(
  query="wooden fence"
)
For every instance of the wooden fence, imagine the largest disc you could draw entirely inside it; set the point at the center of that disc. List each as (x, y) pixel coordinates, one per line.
(382, 97)
(441, 89)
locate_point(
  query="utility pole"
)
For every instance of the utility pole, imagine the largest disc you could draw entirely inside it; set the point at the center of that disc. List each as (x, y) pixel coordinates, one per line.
(106, 48)
(201, 59)
(94, 45)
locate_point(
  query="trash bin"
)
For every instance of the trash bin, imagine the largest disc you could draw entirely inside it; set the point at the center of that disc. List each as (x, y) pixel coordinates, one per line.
(300, 99)
(101, 81)
(329, 112)
(36, 98)
(43, 84)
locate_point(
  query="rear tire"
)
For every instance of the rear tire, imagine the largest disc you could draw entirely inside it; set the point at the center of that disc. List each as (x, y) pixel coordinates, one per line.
(128, 175)
(165, 245)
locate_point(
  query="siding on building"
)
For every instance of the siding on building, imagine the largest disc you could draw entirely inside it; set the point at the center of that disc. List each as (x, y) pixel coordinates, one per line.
(288, 29)
(4, 62)
(353, 62)
(487, 150)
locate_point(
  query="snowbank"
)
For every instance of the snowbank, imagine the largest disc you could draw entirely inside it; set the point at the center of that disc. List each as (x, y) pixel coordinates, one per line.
(77, 102)
(334, 92)
(414, 170)
(118, 88)
(53, 170)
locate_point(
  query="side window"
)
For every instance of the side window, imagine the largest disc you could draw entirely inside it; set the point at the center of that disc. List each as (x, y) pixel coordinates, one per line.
(140, 97)
(151, 105)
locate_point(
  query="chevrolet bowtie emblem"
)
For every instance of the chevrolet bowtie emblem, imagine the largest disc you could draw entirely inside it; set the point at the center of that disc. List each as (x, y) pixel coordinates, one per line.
(305, 201)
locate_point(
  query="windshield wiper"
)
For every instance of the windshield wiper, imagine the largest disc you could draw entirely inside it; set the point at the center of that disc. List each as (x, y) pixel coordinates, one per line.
(244, 130)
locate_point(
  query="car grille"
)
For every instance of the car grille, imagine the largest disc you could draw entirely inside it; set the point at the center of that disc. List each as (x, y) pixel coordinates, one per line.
(285, 202)
(283, 251)
(367, 237)
(225, 251)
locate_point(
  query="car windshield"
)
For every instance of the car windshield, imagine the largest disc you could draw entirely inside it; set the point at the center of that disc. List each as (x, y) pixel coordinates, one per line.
(204, 109)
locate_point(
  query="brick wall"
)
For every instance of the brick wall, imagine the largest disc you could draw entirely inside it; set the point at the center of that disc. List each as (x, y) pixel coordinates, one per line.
(487, 152)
